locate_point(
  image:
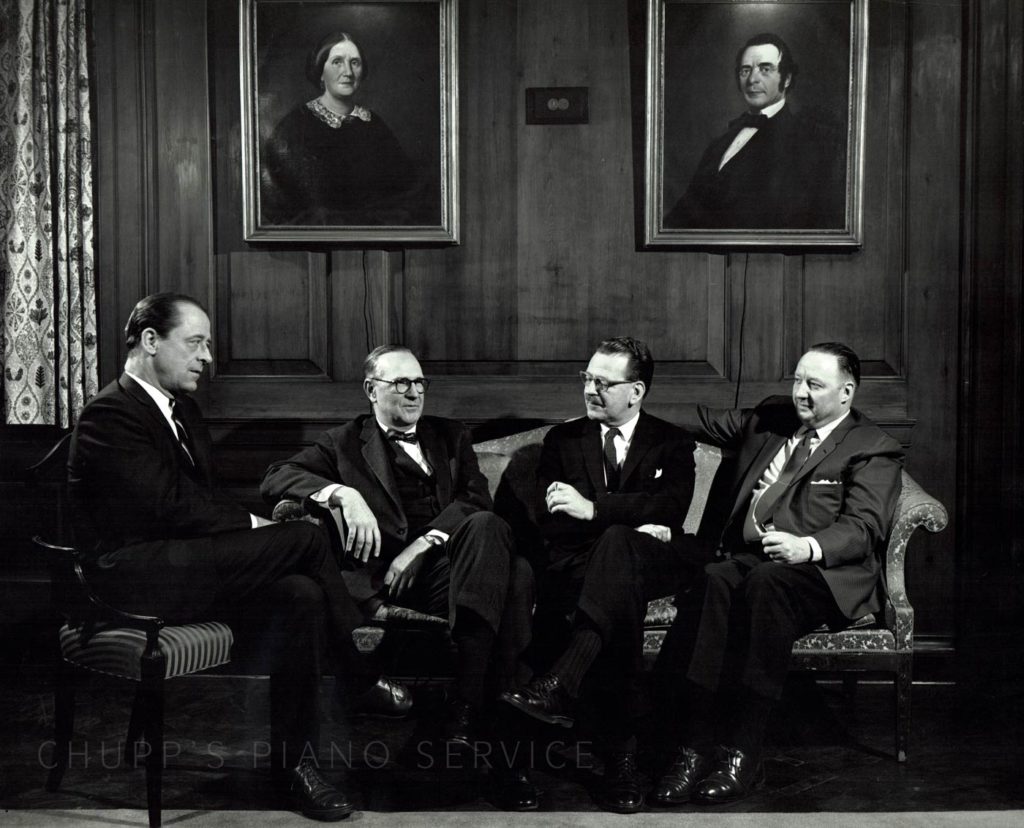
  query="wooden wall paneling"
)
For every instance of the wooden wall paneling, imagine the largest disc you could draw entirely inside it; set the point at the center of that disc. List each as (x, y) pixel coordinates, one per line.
(461, 303)
(756, 284)
(353, 314)
(180, 146)
(933, 188)
(123, 171)
(990, 560)
(273, 314)
(555, 206)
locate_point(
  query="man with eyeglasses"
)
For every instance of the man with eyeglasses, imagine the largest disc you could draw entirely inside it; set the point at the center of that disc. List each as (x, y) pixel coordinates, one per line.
(616, 485)
(773, 168)
(419, 534)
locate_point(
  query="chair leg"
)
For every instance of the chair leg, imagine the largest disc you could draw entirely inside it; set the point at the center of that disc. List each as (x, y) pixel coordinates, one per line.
(904, 674)
(136, 728)
(152, 691)
(64, 721)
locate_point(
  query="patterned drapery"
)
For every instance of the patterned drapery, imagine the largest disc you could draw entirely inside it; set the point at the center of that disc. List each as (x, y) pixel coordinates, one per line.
(48, 335)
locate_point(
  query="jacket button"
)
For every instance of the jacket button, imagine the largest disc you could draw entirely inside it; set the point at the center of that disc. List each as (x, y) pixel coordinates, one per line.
(401, 531)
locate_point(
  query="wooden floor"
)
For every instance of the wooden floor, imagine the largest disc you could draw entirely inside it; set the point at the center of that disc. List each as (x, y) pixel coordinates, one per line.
(827, 752)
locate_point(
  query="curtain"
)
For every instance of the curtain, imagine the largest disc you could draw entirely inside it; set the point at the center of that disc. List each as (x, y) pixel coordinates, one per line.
(47, 285)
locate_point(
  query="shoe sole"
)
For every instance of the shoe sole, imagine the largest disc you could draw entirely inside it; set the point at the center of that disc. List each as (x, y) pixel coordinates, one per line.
(670, 803)
(327, 815)
(561, 721)
(620, 810)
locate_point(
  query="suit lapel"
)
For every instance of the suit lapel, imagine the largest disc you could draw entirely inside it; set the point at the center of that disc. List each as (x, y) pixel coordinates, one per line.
(435, 454)
(769, 448)
(642, 442)
(375, 453)
(201, 468)
(827, 446)
(590, 447)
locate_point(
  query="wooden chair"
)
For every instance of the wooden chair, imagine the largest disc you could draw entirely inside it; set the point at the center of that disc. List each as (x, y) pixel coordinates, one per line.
(99, 638)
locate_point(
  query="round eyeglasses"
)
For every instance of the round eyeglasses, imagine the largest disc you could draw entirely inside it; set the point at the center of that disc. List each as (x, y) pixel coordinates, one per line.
(600, 383)
(403, 384)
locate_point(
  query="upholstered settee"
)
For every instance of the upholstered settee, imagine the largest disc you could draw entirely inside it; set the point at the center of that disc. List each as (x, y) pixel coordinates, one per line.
(882, 643)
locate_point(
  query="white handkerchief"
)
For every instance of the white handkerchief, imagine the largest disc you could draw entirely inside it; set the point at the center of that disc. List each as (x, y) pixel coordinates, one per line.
(657, 473)
(824, 482)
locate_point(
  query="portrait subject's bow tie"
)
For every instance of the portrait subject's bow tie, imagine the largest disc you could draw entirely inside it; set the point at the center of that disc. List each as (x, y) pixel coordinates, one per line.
(749, 119)
(403, 436)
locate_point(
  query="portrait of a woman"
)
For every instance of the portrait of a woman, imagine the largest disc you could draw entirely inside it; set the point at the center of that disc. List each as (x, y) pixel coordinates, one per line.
(333, 161)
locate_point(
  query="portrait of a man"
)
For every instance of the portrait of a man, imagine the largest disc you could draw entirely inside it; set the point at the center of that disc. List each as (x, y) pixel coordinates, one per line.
(757, 118)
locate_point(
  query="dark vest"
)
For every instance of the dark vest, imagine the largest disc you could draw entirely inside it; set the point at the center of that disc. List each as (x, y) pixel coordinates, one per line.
(416, 489)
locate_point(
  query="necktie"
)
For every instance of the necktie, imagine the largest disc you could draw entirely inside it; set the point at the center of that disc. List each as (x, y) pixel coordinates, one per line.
(749, 119)
(402, 436)
(183, 440)
(765, 507)
(611, 460)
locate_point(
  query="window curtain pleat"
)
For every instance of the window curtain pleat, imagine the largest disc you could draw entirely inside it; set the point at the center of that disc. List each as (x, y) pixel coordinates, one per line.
(46, 215)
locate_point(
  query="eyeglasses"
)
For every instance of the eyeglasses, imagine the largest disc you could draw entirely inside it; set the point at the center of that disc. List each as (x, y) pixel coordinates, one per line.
(600, 383)
(764, 68)
(403, 384)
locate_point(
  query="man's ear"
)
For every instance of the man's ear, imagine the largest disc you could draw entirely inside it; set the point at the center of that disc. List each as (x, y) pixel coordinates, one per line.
(848, 389)
(149, 339)
(369, 390)
(638, 392)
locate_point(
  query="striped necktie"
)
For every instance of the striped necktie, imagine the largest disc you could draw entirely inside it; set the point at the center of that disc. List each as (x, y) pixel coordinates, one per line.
(183, 440)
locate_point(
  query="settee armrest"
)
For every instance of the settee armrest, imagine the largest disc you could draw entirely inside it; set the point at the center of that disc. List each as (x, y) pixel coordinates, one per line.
(915, 508)
(330, 517)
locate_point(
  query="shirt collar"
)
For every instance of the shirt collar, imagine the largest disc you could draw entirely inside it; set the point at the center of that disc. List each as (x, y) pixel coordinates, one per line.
(828, 428)
(410, 430)
(159, 397)
(774, 109)
(626, 429)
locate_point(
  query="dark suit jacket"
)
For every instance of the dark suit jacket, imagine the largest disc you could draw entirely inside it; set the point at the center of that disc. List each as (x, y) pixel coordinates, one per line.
(356, 455)
(137, 499)
(790, 175)
(656, 482)
(843, 496)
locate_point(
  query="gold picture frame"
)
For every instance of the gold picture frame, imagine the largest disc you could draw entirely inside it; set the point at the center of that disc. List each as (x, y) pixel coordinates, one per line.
(796, 183)
(368, 156)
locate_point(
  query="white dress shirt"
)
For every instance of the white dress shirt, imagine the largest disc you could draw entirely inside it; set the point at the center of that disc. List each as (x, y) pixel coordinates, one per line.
(744, 135)
(621, 441)
(771, 474)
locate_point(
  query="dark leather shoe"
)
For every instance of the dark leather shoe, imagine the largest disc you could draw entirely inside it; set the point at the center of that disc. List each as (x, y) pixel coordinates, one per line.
(544, 698)
(677, 783)
(515, 791)
(387, 699)
(733, 776)
(313, 796)
(621, 789)
(457, 725)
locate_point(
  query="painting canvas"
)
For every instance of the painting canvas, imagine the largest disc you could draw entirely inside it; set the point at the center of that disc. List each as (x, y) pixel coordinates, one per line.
(754, 123)
(349, 121)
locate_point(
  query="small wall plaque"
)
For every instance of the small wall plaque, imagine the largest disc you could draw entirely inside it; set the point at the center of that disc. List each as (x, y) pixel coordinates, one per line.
(557, 105)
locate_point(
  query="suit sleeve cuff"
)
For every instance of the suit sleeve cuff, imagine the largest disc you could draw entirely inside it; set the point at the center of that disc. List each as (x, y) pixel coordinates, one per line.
(816, 553)
(324, 495)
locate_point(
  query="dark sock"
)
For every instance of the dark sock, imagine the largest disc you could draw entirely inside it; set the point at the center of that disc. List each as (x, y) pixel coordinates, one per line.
(749, 722)
(474, 641)
(573, 664)
(698, 730)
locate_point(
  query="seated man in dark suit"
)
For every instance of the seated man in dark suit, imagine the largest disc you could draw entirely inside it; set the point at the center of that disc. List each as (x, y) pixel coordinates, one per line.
(161, 541)
(814, 490)
(773, 168)
(617, 485)
(420, 533)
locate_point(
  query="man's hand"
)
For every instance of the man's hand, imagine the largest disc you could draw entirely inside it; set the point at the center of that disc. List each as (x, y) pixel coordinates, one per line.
(363, 537)
(656, 530)
(406, 567)
(786, 548)
(561, 497)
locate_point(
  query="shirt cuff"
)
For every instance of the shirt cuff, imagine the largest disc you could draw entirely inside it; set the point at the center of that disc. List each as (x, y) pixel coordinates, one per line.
(437, 533)
(324, 495)
(253, 521)
(816, 553)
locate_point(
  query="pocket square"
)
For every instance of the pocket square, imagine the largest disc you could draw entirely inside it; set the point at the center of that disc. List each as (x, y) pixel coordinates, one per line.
(657, 473)
(824, 482)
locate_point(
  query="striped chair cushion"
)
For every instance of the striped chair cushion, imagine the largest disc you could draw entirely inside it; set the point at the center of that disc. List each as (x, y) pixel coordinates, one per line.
(117, 651)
